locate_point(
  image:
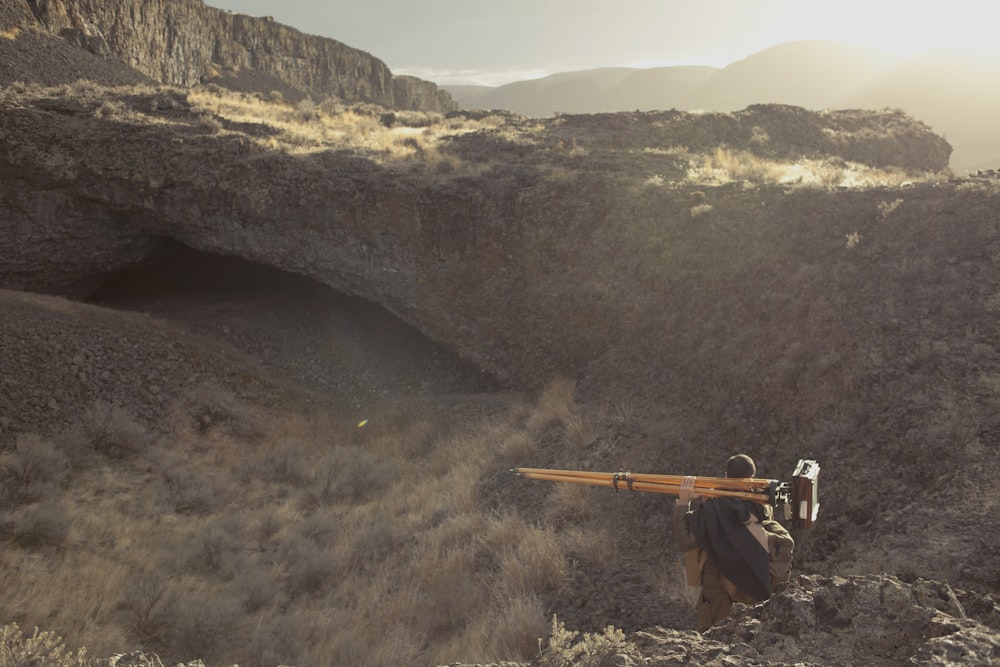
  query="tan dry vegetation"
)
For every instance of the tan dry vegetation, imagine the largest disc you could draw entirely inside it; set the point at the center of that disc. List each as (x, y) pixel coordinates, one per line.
(729, 166)
(413, 138)
(555, 404)
(295, 530)
(308, 127)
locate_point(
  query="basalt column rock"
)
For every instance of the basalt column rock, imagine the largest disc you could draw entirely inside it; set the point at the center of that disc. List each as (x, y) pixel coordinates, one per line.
(185, 42)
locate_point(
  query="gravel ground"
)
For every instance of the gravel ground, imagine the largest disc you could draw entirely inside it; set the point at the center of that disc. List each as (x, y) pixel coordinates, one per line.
(293, 342)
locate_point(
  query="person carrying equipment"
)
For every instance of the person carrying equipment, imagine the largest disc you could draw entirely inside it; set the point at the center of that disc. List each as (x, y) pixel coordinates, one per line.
(733, 548)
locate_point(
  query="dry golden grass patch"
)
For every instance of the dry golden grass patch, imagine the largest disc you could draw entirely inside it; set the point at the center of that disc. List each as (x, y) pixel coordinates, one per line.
(731, 166)
(308, 127)
(554, 405)
(535, 563)
(517, 447)
(700, 209)
(885, 208)
(518, 625)
(569, 502)
(592, 546)
(289, 538)
(580, 431)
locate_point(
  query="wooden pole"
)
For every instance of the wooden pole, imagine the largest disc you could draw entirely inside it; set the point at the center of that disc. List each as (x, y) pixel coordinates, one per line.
(756, 490)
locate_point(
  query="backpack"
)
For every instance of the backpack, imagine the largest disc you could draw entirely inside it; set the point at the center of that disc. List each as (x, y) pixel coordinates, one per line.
(780, 547)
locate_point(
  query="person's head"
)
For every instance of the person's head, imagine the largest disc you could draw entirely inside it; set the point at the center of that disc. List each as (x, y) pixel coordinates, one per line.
(740, 466)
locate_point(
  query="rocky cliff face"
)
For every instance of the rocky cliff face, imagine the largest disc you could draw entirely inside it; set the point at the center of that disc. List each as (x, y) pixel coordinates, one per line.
(185, 42)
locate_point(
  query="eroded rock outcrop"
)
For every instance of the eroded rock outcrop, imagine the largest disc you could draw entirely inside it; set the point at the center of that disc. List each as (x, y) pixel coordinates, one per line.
(185, 42)
(865, 620)
(830, 621)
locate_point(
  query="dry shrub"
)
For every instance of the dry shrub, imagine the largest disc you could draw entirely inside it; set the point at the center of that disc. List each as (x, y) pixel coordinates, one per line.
(34, 463)
(93, 530)
(700, 210)
(209, 123)
(42, 525)
(299, 631)
(41, 648)
(289, 462)
(397, 647)
(579, 430)
(373, 541)
(361, 643)
(591, 547)
(499, 535)
(743, 166)
(622, 411)
(146, 603)
(885, 208)
(518, 626)
(215, 547)
(110, 109)
(449, 594)
(184, 618)
(110, 429)
(418, 118)
(206, 622)
(212, 406)
(352, 474)
(310, 568)
(456, 532)
(184, 489)
(592, 650)
(517, 447)
(554, 404)
(535, 563)
(569, 502)
(81, 593)
(306, 110)
(272, 522)
(257, 587)
(320, 527)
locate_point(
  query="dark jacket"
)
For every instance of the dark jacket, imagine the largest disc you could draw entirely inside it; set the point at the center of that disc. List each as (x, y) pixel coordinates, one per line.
(724, 529)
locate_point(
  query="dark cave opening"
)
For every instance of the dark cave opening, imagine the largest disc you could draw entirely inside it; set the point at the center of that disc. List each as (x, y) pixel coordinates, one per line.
(292, 325)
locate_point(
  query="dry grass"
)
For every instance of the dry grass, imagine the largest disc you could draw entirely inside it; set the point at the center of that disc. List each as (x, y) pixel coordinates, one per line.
(555, 404)
(700, 210)
(281, 537)
(307, 127)
(729, 166)
(517, 448)
(418, 140)
(580, 431)
(885, 208)
(591, 547)
(569, 502)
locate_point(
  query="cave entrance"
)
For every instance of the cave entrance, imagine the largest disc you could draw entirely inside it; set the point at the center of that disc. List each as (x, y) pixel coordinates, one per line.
(292, 325)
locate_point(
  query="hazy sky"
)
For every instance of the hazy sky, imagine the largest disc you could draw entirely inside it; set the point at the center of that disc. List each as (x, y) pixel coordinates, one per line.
(498, 41)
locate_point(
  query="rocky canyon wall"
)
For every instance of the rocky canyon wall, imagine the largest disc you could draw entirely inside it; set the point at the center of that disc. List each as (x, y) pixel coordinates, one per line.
(185, 42)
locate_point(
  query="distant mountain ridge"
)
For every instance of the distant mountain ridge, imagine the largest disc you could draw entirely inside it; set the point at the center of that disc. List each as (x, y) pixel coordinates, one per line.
(959, 97)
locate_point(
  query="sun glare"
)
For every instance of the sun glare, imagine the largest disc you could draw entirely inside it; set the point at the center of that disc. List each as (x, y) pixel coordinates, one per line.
(912, 29)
